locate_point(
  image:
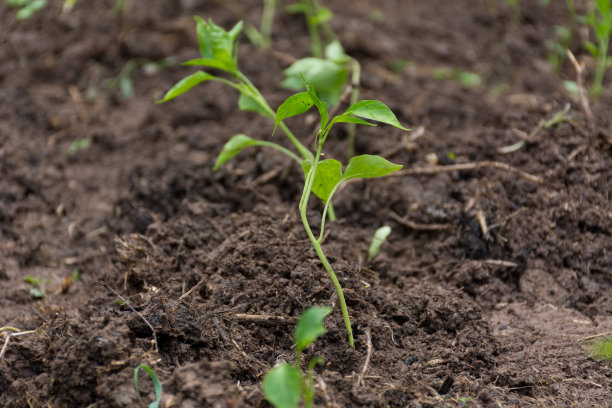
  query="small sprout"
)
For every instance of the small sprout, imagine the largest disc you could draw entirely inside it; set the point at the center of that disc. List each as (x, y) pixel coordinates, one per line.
(285, 385)
(263, 36)
(36, 292)
(466, 78)
(600, 20)
(78, 145)
(75, 275)
(380, 236)
(603, 349)
(27, 8)
(156, 385)
(124, 82)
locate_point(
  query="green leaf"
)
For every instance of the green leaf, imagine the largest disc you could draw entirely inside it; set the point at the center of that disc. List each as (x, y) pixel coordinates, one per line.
(234, 146)
(368, 166)
(31, 280)
(335, 52)
(294, 105)
(380, 236)
(329, 173)
(604, 7)
(323, 16)
(283, 385)
(36, 293)
(326, 76)
(591, 48)
(209, 62)
(374, 110)
(351, 119)
(186, 84)
(218, 44)
(249, 104)
(156, 385)
(310, 326)
(317, 101)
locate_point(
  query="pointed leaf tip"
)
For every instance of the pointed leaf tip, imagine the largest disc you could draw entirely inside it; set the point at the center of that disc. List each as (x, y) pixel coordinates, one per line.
(374, 110)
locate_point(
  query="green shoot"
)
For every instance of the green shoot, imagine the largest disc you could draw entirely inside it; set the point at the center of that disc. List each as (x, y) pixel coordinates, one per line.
(124, 82)
(263, 36)
(466, 78)
(380, 236)
(27, 8)
(284, 386)
(156, 385)
(603, 349)
(557, 46)
(37, 291)
(78, 145)
(600, 20)
(317, 18)
(219, 51)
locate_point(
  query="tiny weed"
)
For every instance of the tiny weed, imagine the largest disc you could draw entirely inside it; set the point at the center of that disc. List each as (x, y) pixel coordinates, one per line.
(27, 8)
(380, 236)
(322, 177)
(156, 385)
(285, 385)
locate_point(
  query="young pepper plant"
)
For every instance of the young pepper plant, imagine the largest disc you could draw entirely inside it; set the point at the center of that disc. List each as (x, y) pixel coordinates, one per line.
(600, 20)
(323, 177)
(284, 386)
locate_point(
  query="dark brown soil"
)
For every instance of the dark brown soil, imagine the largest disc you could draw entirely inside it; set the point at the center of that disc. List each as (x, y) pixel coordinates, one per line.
(457, 317)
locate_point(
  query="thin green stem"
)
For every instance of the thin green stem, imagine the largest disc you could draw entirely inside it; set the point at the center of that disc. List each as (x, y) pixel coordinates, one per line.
(600, 69)
(267, 21)
(355, 80)
(317, 247)
(282, 149)
(328, 206)
(310, 12)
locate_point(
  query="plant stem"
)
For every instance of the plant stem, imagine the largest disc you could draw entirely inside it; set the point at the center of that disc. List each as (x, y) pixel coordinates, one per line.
(317, 247)
(355, 79)
(600, 70)
(281, 149)
(310, 10)
(267, 21)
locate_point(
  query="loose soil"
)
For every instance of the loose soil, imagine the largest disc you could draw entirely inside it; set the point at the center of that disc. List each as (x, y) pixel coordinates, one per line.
(483, 295)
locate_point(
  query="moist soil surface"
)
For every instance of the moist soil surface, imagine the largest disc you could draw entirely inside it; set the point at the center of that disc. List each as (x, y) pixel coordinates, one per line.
(492, 282)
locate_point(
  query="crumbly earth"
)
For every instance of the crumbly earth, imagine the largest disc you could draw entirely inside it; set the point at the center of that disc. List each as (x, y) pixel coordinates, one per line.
(487, 293)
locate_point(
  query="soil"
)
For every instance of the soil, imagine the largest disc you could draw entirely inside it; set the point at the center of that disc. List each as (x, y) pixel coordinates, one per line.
(485, 295)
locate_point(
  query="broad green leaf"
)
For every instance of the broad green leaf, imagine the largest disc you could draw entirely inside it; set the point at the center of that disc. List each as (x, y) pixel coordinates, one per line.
(351, 119)
(186, 84)
(317, 101)
(368, 166)
(283, 385)
(234, 146)
(326, 76)
(374, 110)
(592, 48)
(335, 52)
(323, 16)
(294, 105)
(249, 104)
(218, 44)
(329, 173)
(310, 326)
(157, 387)
(211, 63)
(380, 236)
(604, 7)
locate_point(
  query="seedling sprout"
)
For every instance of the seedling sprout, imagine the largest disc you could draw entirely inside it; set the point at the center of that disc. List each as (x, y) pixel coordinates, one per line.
(156, 385)
(380, 236)
(285, 385)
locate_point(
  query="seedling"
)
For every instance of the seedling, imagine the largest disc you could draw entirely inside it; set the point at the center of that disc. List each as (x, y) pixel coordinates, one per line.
(600, 20)
(466, 78)
(317, 19)
(27, 8)
(263, 36)
(603, 349)
(322, 177)
(78, 145)
(285, 385)
(37, 291)
(124, 82)
(380, 236)
(557, 46)
(156, 385)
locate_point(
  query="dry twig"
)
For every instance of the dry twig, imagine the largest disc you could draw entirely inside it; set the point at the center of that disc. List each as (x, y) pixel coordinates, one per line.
(367, 360)
(584, 101)
(418, 226)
